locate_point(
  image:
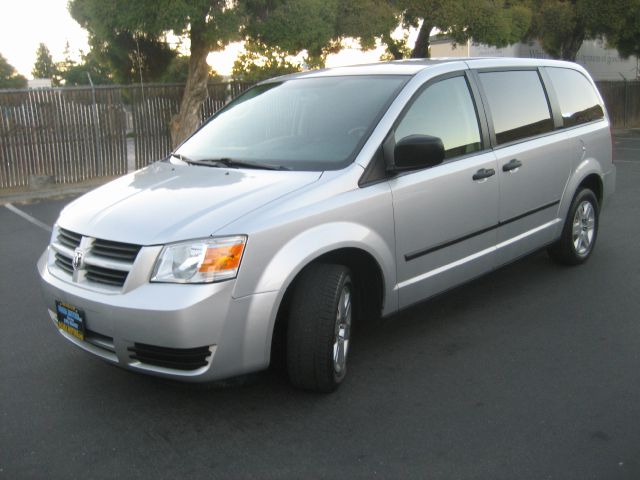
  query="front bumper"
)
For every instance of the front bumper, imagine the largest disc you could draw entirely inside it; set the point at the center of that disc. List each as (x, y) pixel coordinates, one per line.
(237, 331)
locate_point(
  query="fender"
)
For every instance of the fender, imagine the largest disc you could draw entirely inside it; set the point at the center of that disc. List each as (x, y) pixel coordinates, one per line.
(304, 248)
(311, 244)
(585, 168)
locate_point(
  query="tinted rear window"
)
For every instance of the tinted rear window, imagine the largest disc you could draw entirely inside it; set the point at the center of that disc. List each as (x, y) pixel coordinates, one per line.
(518, 104)
(577, 97)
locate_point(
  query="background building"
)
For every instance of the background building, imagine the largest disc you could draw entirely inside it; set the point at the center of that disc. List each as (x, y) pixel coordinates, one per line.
(601, 62)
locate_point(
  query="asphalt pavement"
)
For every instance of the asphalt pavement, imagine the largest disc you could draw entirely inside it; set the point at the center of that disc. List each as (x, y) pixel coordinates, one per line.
(531, 372)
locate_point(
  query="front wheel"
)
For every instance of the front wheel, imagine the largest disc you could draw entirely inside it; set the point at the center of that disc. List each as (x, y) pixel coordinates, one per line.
(579, 232)
(319, 327)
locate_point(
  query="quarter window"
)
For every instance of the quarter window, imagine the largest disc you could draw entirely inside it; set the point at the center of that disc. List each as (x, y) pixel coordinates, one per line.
(445, 110)
(518, 104)
(578, 100)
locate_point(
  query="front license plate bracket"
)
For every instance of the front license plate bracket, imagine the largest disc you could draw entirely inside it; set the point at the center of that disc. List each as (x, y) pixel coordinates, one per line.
(70, 319)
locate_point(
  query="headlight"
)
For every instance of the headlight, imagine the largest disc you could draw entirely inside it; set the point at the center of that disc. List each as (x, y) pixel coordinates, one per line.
(200, 261)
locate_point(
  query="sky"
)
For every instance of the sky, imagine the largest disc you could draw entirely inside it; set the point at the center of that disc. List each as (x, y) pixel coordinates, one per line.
(21, 31)
(26, 23)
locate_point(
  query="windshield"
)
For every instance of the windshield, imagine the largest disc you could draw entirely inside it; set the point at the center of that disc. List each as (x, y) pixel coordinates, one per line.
(299, 124)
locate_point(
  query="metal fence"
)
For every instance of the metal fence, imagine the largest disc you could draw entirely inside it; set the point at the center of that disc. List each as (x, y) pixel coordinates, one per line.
(69, 135)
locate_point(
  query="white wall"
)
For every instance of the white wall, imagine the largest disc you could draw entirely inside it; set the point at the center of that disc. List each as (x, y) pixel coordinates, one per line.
(601, 62)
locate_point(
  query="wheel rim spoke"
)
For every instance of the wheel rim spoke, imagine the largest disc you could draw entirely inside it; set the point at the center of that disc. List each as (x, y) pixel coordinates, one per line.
(583, 228)
(343, 330)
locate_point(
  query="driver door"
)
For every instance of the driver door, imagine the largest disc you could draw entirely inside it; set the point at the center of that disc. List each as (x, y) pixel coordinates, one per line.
(446, 215)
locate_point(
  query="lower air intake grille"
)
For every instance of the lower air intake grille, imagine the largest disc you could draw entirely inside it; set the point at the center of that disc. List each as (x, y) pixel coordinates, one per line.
(176, 358)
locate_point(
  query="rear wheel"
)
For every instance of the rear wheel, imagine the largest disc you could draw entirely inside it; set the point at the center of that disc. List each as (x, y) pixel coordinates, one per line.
(319, 327)
(580, 230)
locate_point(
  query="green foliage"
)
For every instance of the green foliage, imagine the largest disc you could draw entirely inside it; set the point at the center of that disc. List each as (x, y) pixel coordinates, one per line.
(44, 66)
(131, 58)
(76, 74)
(293, 25)
(260, 62)
(365, 20)
(396, 49)
(9, 77)
(212, 19)
(561, 26)
(625, 34)
(494, 22)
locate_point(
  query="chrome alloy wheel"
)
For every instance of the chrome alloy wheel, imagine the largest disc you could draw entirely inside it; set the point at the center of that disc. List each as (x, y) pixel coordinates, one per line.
(584, 227)
(342, 330)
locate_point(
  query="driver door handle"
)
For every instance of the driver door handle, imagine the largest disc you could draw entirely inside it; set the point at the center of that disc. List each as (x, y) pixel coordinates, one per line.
(483, 174)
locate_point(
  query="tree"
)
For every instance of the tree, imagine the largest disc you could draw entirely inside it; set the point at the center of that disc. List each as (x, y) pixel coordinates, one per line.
(178, 70)
(625, 35)
(44, 66)
(9, 77)
(132, 57)
(562, 26)
(259, 62)
(494, 22)
(75, 74)
(314, 27)
(207, 24)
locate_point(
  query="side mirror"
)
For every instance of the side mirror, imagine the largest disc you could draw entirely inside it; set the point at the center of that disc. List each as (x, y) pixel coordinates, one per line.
(417, 151)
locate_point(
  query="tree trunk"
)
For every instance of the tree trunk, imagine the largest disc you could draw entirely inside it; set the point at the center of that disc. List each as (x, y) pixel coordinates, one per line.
(421, 48)
(569, 50)
(185, 122)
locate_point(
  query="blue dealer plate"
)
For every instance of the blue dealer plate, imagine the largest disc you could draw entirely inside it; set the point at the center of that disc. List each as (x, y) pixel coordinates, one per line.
(70, 319)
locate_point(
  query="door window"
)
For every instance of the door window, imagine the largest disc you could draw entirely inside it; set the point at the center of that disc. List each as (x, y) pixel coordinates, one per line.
(445, 110)
(518, 104)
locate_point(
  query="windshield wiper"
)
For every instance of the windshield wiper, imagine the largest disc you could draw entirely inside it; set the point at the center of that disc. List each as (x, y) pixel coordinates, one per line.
(229, 162)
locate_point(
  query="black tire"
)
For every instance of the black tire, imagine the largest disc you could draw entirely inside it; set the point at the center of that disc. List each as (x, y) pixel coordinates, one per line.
(313, 327)
(565, 250)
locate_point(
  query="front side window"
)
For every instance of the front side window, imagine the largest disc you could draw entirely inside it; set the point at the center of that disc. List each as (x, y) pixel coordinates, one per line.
(445, 110)
(578, 100)
(298, 124)
(518, 104)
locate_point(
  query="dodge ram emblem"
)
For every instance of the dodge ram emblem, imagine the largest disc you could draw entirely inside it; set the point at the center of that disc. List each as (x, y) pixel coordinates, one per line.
(78, 257)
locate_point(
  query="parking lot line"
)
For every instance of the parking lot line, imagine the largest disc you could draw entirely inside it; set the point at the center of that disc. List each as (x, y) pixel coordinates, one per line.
(28, 217)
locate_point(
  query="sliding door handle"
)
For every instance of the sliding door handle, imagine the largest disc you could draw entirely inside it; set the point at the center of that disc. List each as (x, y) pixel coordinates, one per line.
(512, 165)
(483, 174)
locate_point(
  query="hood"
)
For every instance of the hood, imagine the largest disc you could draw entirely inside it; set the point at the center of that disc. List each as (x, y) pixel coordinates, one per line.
(169, 202)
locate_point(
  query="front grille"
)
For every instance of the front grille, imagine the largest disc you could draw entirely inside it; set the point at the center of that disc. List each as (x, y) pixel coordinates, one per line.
(124, 252)
(64, 263)
(69, 239)
(106, 262)
(108, 276)
(175, 358)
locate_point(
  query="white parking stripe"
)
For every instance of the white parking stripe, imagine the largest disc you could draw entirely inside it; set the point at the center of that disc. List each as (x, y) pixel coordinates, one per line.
(28, 217)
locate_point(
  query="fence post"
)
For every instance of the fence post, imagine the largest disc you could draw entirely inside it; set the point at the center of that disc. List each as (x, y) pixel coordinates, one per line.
(96, 124)
(626, 103)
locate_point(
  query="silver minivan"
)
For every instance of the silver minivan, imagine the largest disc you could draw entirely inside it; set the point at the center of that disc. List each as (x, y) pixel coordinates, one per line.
(322, 199)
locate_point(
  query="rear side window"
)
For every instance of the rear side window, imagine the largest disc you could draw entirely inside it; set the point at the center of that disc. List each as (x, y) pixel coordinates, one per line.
(578, 101)
(445, 110)
(518, 104)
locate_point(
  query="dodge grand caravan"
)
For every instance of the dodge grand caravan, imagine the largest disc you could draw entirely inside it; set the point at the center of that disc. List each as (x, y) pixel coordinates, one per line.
(321, 199)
